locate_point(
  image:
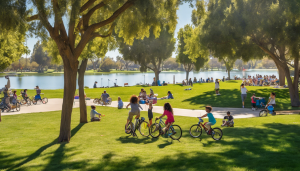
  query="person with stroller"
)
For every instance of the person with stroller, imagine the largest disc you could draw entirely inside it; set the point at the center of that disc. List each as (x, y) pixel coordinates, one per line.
(229, 121)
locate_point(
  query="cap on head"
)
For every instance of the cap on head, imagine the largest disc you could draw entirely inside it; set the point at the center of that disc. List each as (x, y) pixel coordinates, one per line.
(228, 113)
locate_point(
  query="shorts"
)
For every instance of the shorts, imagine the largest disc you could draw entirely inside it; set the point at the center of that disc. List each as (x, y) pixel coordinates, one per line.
(167, 122)
(244, 96)
(131, 114)
(272, 105)
(253, 104)
(209, 123)
(95, 119)
(150, 114)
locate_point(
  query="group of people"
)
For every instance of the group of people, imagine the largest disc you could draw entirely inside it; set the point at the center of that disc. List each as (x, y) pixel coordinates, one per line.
(259, 80)
(10, 98)
(201, 80)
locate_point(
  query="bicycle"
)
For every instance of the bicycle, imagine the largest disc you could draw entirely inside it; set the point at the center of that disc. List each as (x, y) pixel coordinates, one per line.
(196, 131)
(35, 99)
(265, 112)
(140, 124)
(24, 101)
(173, 132)
(100, 101)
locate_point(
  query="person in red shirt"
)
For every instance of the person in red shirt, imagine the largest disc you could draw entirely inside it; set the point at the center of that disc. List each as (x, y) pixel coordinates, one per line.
(168, 111)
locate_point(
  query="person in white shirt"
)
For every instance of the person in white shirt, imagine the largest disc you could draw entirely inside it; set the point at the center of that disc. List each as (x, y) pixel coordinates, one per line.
(272, 100)
(243, 94)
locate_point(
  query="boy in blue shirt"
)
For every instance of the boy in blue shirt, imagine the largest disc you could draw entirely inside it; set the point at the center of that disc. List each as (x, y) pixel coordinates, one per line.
(94, 114)
(211, 119)
(120, 103)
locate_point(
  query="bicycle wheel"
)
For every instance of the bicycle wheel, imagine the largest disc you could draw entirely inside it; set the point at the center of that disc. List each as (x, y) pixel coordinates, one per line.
(175, 132)
(195, 131)
(263, 113)
(45, 100)
(23, 102)
(144, 129)
(28, 102)
(129, 127)
(216, 134)
(34, 101)
(18, 107)
(95, 101)
(155, 130)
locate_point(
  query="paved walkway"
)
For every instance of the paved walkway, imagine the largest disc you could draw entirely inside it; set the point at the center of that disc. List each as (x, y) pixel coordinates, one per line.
(56, 105)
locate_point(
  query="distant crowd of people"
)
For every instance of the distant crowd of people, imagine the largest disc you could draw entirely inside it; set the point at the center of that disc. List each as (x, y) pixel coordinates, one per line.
(259, 80)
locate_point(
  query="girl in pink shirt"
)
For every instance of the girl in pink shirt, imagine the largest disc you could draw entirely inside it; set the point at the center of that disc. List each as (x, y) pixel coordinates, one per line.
(168, 111)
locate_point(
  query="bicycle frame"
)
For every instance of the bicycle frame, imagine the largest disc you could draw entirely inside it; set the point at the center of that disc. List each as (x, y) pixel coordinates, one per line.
(162, 124)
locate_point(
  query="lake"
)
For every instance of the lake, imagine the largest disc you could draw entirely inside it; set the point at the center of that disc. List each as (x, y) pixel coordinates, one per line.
(56, 81)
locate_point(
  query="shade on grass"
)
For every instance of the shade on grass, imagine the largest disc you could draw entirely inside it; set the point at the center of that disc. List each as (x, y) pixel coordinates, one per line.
(28, 142)
(201, 95)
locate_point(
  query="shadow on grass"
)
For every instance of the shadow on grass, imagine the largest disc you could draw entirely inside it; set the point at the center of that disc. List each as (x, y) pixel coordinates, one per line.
(232, 98)
(138, 140)
(273, 147)
(45, 147)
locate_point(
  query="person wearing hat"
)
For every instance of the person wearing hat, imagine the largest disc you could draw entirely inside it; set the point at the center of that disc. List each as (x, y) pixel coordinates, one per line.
(95, 84)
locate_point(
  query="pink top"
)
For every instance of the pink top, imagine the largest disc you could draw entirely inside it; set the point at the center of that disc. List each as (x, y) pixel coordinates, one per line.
(169, 115)
(252, 99)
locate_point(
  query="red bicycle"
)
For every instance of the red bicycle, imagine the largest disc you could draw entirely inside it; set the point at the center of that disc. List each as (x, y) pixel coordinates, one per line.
(196, 131)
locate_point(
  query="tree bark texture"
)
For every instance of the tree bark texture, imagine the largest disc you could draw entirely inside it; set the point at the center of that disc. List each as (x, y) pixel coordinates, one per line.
(82, 104)
(228, 71)
(70, 74)
(281, 74)
(156, 76)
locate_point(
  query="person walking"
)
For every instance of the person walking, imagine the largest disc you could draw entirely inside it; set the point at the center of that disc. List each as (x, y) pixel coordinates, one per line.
(243, 94)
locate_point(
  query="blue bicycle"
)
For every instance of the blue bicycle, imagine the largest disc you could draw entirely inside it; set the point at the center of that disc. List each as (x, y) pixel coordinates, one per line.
(265, 112)
(157, 129)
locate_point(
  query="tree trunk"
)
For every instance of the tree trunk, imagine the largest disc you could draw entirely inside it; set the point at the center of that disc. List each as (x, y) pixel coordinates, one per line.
(293, 89)
(187, 75)
(68, 100)
(82, 104)
(156, 76)
(281, 74)
(228, 71)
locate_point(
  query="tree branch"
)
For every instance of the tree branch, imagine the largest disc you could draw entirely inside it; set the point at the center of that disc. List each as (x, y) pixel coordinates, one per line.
(86, 5)
(31, 18)
(112, 18)
(87, 16)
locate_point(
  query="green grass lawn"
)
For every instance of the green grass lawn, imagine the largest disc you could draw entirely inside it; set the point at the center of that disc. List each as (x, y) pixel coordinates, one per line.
(29, 142)
(200, 95)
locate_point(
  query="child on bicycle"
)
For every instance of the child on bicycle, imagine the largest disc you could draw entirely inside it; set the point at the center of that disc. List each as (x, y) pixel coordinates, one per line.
(168, 111)
(150, 113)
(15, 97)
(24, 94)
(38, 93)
(93, 114)
(211, 119)
(133, 102)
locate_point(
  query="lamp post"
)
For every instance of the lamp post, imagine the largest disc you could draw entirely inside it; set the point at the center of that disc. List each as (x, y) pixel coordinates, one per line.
(108, 83)
(144, 79)
(101, 82)
(116, 82)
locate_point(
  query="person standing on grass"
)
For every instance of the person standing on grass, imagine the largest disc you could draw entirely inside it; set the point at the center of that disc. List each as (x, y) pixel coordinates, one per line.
(217, 87)
(120, 103)
(243, 94)
(150, 113)
(253, 102)
(191, 82)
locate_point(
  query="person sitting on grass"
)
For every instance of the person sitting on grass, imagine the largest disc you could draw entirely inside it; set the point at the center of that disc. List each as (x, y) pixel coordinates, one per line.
(170, 96)
(94, 114)
(151, 93)
(229, 121)
(143, 95)
(135, 111)
(168, 111)
(271, 101)
(253, 102)
(120, 103)
(211, 119)
(217, 87)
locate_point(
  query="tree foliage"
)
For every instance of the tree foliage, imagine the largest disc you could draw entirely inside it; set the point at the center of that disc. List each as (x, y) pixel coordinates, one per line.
(40, 56)
(107, 64)
(186, 53)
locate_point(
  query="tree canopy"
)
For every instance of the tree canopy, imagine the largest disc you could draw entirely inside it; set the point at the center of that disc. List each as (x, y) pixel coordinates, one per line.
(247, 29)
(150, 52)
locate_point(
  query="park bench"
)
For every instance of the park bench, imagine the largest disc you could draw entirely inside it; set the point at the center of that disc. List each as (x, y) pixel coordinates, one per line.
(126, 84)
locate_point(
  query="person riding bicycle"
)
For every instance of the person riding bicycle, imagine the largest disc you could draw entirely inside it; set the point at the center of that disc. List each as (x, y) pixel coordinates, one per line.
(134, 110)
(24, 94)
(38, 93)
(168, 111)
(271, 101)
(6, 97)
(15, 97)
(211, 119)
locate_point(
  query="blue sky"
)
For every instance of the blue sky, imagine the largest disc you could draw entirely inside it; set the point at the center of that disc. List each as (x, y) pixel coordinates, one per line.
(184, 17)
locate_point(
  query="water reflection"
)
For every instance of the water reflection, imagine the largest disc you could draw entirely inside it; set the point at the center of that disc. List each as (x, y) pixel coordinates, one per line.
(56, 81)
